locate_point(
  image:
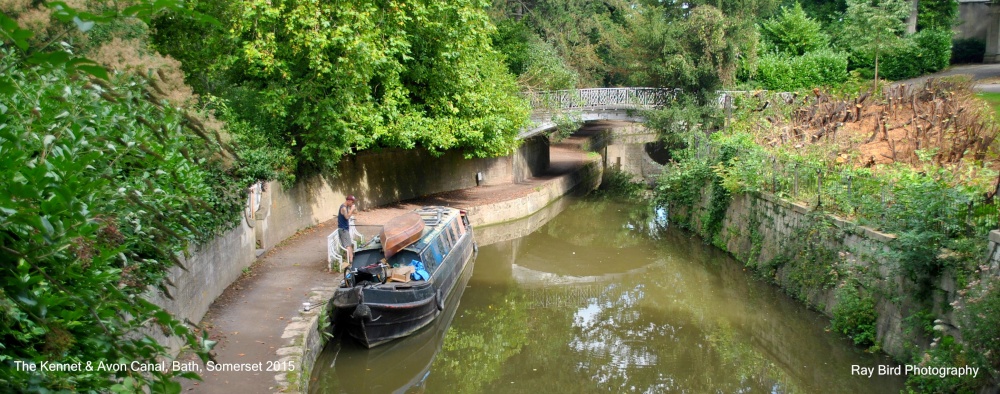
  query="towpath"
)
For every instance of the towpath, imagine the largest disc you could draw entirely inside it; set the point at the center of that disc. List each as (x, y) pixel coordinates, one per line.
(985, 77)
(248, 319)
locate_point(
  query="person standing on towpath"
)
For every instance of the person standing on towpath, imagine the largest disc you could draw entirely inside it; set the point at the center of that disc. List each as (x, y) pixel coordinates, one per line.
(344, 216)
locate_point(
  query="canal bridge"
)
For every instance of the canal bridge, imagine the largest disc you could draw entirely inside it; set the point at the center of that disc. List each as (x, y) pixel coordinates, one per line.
(588, 105)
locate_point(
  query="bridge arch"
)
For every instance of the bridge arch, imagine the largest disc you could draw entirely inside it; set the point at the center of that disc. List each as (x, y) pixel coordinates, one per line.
(588, 105)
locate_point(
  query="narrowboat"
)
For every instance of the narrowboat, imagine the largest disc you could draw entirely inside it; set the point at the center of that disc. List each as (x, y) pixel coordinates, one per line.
(410, 358)
(401, 280)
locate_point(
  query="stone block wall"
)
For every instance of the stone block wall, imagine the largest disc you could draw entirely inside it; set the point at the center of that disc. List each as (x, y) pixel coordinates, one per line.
(757, 228)
(386, 176)
(532, 159)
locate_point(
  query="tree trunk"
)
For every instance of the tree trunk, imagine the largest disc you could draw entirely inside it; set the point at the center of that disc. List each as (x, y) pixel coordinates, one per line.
(875, 88)
(911, 22)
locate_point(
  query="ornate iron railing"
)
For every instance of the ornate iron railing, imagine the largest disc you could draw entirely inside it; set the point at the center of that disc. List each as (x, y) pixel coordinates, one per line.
(601, 99)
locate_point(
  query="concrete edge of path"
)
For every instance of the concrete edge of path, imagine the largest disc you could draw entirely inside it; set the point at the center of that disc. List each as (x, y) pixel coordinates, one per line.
(307, 338)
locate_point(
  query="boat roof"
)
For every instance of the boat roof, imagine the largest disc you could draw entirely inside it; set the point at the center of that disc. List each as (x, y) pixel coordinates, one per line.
(435, 218)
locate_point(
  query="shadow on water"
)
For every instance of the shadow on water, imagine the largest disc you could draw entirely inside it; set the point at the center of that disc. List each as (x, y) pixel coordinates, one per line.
(603, 298)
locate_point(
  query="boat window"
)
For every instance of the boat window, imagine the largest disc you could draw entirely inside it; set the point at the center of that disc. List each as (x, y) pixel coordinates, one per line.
(433, 255)
(457, 228)
(449, 238)
(443, 245)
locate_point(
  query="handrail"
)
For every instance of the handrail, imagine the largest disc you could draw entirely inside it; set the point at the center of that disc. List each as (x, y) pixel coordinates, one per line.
(601, 98)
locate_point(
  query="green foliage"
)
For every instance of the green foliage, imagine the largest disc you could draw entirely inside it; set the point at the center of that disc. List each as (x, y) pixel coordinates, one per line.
(826, 11)
(818, 68)
(676, 122)
(809, 257)
(934, 48)
(717, 206)
(567, 123)
(336, 78)
(855, 315)
(535, 62)
(679, 188)
(967, 50)
(873, 28)
(981, 321)
(698, 54)
(925, 52)
(929, 214)
(793, 32)
(937, 14)
(263, 156)
(102, 187)
(948, 353)
(618, 183)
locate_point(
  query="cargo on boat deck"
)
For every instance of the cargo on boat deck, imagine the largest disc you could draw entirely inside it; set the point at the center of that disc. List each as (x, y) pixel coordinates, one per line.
(399, 281)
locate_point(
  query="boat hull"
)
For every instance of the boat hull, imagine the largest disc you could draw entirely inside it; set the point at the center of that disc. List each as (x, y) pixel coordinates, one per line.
(375, 315)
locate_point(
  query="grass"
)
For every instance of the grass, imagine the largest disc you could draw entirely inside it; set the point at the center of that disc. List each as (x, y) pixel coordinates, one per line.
(993, 99)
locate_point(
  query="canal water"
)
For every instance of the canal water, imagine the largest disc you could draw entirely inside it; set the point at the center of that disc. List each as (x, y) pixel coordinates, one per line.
(604, 297)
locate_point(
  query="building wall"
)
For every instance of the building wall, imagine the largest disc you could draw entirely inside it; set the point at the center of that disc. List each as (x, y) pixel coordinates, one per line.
(975, 18)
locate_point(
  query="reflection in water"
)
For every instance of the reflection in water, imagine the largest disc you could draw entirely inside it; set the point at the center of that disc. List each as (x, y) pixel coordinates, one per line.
(602, 298)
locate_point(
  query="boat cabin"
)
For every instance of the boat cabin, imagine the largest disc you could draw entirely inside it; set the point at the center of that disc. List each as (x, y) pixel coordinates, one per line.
(441, 232)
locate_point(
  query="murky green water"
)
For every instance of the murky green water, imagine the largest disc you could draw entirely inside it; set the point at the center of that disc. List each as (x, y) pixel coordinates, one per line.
(601, 299)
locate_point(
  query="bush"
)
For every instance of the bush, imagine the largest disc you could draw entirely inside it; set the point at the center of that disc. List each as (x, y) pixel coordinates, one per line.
(536, 62)
(793, 32)
(926, 52)
(816, 68)
(102, 187)
(618, 183)
(967, 50)
(934, 49)
(855, 315)
(981, 324)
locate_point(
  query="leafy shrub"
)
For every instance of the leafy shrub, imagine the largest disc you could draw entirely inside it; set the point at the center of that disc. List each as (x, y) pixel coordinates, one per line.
(534, 61)
(793, 32)
(934, 49)
(855, 315)
(925, 52)
(936, 14)
(981, 327)
(102, 186)
(619, 183)
(816, 68)
(967, 50)
(947, 354)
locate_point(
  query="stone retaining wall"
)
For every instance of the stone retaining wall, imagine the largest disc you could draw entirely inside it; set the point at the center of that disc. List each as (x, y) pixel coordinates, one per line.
(208, 270)
(388, 176)
(756, 228)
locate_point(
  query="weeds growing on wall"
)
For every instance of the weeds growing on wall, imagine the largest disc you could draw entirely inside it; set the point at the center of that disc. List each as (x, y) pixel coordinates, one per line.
(811, 261)
(855, 316)
(618, 183)
(981, 317)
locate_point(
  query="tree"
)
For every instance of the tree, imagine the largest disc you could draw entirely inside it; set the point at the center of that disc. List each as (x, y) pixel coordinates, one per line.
(937, 14)
(337, 77)
(793, 32)
(874, 26)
